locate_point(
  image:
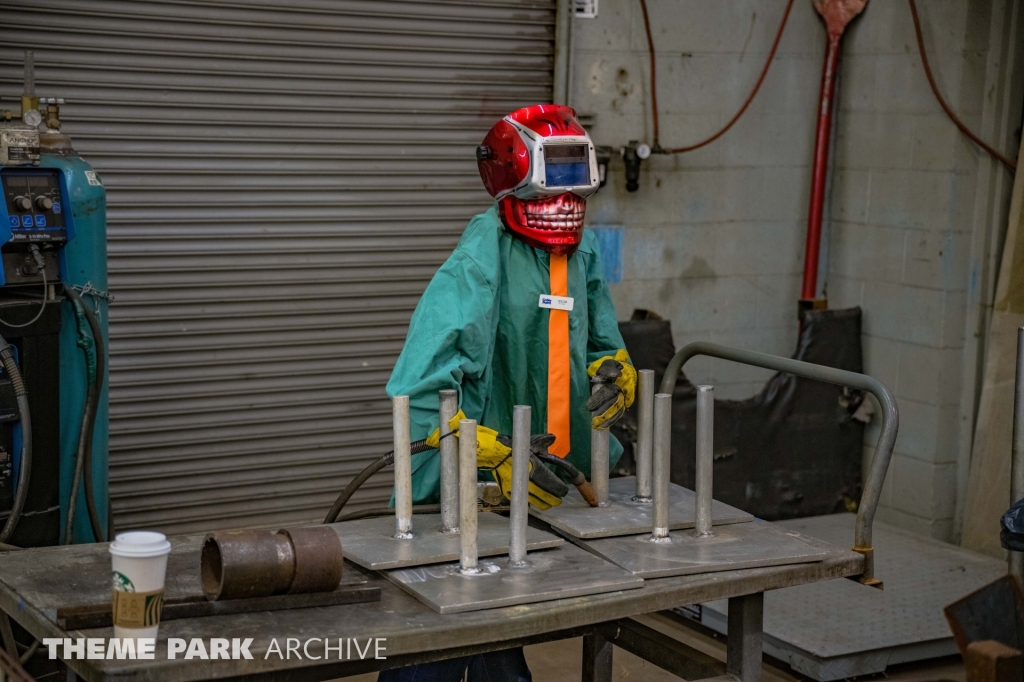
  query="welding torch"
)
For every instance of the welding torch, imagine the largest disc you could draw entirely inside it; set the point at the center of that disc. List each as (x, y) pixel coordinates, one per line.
(539, 445)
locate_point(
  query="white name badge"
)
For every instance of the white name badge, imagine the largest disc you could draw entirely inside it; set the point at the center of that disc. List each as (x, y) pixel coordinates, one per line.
(556, 302)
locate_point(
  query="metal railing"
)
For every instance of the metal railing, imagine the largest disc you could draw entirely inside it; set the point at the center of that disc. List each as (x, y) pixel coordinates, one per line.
(883, 448)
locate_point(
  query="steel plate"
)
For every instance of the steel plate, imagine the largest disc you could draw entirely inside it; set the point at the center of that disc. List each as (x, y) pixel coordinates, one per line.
(370, 542)
(732, 547)
(623, 516)
(567, 571)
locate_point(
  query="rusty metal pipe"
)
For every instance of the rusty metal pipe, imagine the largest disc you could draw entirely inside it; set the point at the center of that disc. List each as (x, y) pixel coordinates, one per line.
(240, 564)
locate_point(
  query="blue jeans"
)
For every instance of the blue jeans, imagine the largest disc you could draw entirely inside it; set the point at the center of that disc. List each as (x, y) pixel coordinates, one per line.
(497, 666)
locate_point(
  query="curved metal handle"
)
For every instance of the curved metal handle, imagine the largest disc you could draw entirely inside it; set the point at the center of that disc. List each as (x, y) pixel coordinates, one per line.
(883, 448)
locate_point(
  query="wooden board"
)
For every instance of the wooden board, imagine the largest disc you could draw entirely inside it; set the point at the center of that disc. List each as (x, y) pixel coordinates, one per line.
(988, 484)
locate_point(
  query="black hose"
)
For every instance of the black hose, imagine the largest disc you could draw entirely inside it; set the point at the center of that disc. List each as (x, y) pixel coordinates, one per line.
(76, 478)
(350, 490)
(89, 413)
(354, 484)
(575, 476)
(417, 446)
(7, 359)
(387, 511)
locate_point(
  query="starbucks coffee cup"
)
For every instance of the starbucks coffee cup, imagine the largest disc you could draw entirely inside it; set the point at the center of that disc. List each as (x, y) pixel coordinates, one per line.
(139, 566)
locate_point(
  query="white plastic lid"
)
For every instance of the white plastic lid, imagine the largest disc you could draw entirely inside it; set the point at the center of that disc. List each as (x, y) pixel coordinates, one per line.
(140, 544)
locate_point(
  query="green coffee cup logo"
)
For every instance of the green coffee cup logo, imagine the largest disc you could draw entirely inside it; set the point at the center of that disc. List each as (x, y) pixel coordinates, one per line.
(135, 609)
(122, 582)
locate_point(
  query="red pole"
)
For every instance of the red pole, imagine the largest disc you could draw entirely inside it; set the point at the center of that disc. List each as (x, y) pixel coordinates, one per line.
(837, 15)
(819, 175)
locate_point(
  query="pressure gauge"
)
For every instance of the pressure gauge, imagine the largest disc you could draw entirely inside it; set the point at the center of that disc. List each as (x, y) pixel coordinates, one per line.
(32, 117)
(643, 151)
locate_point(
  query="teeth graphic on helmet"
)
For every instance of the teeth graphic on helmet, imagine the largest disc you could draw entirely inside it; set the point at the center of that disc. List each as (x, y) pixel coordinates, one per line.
(563, 213)
(540, 165)
(549, 217)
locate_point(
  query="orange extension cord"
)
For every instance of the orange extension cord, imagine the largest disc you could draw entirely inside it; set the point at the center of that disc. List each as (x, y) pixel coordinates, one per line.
(1009, 163)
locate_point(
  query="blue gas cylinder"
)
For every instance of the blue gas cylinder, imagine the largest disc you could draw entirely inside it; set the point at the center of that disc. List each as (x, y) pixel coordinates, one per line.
(84, 266)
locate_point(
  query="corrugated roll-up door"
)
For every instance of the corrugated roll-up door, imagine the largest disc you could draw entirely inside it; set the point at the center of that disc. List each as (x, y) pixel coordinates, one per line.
(283, 181)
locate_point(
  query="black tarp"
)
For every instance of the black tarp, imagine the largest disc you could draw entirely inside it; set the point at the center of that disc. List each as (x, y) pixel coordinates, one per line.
(792, 450)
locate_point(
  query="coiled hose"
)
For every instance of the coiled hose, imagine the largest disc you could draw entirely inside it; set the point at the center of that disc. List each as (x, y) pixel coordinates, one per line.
(11, 367)
(95, 355)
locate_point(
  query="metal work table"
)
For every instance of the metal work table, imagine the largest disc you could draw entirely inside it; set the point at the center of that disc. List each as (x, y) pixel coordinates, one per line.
(34, 583)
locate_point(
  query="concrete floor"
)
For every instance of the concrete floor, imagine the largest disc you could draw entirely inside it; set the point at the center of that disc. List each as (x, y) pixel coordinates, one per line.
(560, 661)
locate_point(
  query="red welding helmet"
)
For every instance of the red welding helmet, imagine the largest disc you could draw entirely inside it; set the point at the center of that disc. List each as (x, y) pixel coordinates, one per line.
(539, 163)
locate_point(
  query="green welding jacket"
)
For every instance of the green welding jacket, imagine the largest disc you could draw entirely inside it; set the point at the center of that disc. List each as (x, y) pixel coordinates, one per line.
(479, 329)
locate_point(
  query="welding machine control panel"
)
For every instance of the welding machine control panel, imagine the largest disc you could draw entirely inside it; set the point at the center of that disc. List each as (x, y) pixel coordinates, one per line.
(34, 205)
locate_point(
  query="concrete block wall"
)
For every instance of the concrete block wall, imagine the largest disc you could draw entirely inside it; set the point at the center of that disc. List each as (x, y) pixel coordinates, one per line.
(902, 218)
(713, 239)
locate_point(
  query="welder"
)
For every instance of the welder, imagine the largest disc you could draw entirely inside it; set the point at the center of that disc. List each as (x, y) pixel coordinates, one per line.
(519, 314)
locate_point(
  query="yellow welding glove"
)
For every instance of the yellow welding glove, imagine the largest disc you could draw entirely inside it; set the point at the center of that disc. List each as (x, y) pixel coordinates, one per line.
(434, 439)
(496, 457)
(615, 379)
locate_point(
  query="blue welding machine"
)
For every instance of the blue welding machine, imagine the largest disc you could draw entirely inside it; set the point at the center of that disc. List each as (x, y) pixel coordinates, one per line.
(53, 324)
